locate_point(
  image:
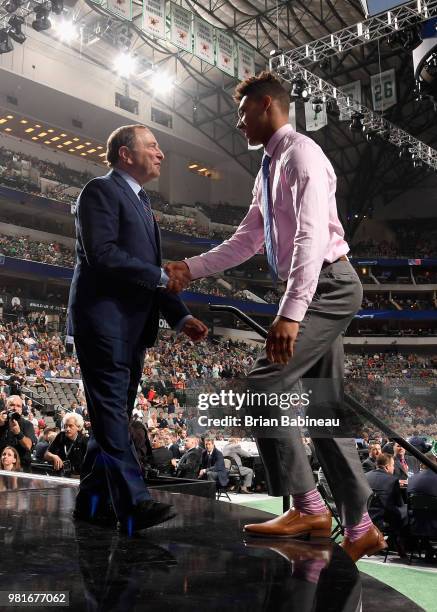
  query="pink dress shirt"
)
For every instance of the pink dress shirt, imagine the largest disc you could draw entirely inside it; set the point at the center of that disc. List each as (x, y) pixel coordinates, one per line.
(306, 229)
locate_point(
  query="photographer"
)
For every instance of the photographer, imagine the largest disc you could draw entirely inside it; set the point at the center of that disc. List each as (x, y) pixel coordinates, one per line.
(67, 451)
(17, 432)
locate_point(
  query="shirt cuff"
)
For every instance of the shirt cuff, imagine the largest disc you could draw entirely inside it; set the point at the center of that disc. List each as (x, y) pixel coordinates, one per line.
(293, 310)
(178, 327)
(163, 281)
(196, 266)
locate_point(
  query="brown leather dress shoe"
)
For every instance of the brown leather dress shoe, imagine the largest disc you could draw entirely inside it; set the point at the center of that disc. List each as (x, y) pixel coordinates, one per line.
(369, 544)
(293, 524)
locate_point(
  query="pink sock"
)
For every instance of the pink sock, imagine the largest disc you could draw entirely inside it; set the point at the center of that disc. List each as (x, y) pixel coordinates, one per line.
(309, 503)
(355, 532)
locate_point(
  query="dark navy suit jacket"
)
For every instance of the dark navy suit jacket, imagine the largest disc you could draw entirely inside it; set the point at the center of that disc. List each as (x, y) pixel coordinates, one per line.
(217, 464)
(118, 267)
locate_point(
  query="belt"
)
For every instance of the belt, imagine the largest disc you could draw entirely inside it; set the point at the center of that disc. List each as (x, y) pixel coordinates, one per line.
(329, 263)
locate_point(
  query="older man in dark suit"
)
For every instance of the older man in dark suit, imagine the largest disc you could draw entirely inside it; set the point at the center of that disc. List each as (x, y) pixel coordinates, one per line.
(189, 463)
(213, 464)
(118, 290)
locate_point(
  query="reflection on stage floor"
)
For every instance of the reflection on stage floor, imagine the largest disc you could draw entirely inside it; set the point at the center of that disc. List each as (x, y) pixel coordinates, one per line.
(198, 559)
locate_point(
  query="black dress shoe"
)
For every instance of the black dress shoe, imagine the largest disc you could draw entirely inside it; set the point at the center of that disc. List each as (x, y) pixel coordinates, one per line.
(146, 514)
(93, 509)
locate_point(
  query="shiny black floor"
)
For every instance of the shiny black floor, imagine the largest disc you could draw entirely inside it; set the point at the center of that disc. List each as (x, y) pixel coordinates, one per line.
(199, 560)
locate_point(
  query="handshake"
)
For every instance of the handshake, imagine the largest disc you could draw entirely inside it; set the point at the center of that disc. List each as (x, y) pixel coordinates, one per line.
(179, 276)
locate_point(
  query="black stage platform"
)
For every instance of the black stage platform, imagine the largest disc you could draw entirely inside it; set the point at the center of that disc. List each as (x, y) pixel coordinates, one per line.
(198, 561)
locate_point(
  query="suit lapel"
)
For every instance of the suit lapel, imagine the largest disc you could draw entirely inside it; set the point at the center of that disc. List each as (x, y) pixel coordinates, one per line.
(138, 205)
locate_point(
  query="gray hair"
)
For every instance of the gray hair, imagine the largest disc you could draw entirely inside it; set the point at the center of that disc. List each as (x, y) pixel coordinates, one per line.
(77, 417)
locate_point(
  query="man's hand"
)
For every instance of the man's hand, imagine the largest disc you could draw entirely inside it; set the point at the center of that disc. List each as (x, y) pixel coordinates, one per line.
(280, 341)
(202, 473)
(195, 329)
(179, 275)
(57, 462)
(14, 427)
(3, 418)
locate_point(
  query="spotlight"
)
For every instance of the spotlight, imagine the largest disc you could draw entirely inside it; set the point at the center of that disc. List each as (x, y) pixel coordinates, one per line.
(317, 105)
(16, 22)
(417, 163)
(5, 42)
(356, 125)
(412, 38)
(405, 151)
(299, 89)
(409, 38)
(66, 31)
(161, 82)
(42, 21)
(57, 6)
(12, 5)
(125, 64)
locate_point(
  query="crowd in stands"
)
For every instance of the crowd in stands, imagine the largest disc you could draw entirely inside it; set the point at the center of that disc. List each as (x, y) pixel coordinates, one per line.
(24, 247)
(222, 212)
(418, 240)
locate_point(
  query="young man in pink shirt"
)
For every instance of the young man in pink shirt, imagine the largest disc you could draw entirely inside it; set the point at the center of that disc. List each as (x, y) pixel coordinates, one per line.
(294, 214)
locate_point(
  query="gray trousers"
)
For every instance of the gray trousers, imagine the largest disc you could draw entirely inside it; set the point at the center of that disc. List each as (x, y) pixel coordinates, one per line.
(318, 353)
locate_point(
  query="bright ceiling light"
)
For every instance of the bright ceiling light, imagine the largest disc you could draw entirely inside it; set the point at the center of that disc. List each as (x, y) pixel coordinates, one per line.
(125, 64)
(161, 82)
(66, 30)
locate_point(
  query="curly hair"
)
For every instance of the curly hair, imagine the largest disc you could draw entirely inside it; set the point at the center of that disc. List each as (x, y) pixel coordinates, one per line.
(263, 84)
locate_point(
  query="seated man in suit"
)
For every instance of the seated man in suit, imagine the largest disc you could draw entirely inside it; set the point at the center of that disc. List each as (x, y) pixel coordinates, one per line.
(189, 463)
(390, 507)
(403, 463)
(370, 463)
(213, 464)
(162, 459)
(425, 483)
(233, 449)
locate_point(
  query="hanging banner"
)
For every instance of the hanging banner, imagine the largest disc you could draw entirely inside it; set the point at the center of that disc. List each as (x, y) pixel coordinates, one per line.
(121, 8)
(154, 17)
(203, 40)
(181, 31)
(225, 53)
(352, 91)
(383, 87)
(315, 120)
(292, 115)
(246, 62)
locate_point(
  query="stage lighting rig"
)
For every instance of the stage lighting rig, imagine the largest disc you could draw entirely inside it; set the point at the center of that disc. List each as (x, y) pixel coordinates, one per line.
(360, 114)
(299, 89)
(42, 21)
(5, 42)
(16, 22)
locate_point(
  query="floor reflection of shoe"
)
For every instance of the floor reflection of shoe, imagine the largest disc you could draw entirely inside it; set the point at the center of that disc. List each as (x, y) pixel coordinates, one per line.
(146, 514)
(306, 560)
(293, 524)
(294, 550)
(370, 543)
(93, 509)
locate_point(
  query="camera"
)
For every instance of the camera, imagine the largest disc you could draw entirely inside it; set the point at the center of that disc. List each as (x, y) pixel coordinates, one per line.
(66, 470)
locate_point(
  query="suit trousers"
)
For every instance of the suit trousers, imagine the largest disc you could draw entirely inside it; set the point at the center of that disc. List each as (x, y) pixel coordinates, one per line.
(318, 354)
(111, 370)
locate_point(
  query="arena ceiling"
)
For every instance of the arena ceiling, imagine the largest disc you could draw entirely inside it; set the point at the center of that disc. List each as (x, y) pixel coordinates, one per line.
(369, 174)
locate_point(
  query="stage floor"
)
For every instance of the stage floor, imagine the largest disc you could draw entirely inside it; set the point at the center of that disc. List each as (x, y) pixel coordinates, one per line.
(199, 560)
